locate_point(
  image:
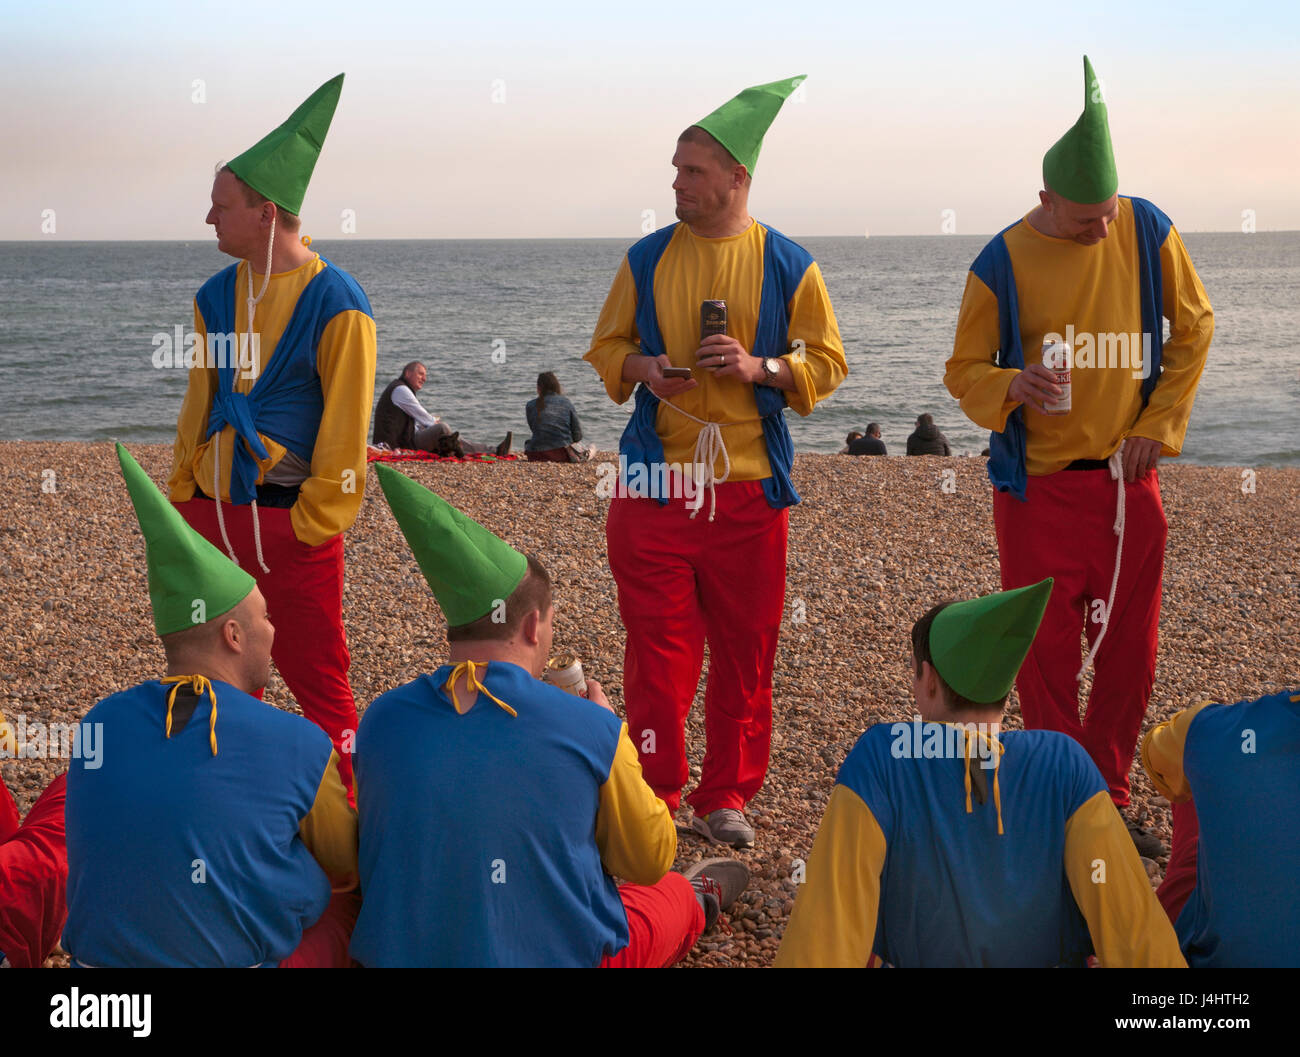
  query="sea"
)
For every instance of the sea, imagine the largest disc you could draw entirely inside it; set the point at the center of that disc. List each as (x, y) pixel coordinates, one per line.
(80, 325)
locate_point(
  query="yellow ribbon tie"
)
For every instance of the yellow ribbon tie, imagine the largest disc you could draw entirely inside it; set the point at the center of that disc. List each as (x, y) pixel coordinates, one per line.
(997, 793)
(469, 669)
(200, 686)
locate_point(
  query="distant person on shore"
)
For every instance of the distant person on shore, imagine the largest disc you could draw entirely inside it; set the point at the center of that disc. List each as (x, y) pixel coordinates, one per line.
(950, 842)
(1232, 774)
(695, 571)
(871, 444)
(853, 434)
(554, 423)
(926, 438)
(497, 809)
(33, 869)
(1104, 267)
(215, 830)
(402, 422)
(302, 434)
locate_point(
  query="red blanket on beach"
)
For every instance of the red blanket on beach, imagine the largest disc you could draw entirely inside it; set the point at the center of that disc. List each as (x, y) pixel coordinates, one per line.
(405, 455)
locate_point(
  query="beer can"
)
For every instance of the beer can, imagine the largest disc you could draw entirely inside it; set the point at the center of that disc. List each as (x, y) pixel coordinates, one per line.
(564, 671)
(1057, 358)
(713, 320)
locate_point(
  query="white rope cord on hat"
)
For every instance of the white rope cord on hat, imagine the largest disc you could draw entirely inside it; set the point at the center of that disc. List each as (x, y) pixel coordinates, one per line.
(709, 447)
(1116, 466)
(252, 303)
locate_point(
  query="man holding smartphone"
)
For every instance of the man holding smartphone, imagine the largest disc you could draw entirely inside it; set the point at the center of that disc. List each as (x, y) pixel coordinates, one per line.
(686, 576)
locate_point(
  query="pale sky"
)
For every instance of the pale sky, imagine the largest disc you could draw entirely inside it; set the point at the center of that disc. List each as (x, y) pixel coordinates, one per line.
(501, 119)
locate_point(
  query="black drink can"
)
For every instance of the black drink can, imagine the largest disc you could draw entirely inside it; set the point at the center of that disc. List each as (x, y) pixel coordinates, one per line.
(713, 320)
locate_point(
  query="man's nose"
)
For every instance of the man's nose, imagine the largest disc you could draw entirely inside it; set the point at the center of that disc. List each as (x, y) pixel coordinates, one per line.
(211, 217)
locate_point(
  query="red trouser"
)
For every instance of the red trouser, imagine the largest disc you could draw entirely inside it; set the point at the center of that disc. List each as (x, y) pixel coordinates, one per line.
(663, 922)
(681, 581)
(304, 597)
(325, 944)
(1065, 530)
(33, 877)
(1180, 876)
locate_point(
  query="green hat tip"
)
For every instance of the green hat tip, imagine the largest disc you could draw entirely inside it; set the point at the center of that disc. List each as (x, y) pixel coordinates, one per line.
(190, 581)
(741, 123)
(1080, 166)
(279, 166)
(469, 569)
(978, 646)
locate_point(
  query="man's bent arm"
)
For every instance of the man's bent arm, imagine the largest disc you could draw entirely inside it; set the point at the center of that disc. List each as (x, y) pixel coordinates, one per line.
(1182, 359)
(815, 358)
(833, 923)
(330, 829)
(330, 498)
(972, 374)
(1162, 754)
(1129, 929)
(616, 336)
(193, 420)
(634, 828)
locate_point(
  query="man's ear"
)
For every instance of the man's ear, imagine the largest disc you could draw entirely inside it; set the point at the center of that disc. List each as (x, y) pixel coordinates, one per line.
(929, 679)
(232, 635)
(529, 627)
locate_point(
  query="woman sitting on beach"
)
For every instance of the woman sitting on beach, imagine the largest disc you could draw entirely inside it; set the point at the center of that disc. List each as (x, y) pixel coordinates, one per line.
(554, 423)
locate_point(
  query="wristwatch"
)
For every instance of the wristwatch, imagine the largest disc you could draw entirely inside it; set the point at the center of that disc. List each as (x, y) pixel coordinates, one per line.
(771, 369)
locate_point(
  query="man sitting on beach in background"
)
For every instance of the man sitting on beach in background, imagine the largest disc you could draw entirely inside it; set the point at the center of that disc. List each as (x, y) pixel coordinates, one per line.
(1232, 773)
(215, 827)
(685, 578)
(270, 454)
(33, 869)
(493, 806)
(950, 843)
(871, 444)
(402, 422)
(1089, 267)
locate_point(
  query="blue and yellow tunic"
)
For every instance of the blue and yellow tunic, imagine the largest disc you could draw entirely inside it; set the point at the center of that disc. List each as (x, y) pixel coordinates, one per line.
(909, 866)
(488, 836)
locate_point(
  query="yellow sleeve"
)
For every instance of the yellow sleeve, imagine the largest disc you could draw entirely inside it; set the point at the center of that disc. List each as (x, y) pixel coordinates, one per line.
(817, 362)
(616, 336)
(1162, 754)
(634, 828)
(330, 498)
(1182, 359)
(1129, 928)
(193, 420)
(8, 741)
(833, 923)
(972, 374)
(330, 829)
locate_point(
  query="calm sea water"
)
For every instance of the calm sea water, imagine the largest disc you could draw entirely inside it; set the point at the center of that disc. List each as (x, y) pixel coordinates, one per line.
(77, 322)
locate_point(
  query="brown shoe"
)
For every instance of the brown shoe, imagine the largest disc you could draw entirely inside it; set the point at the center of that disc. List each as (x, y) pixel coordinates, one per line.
(503, 449)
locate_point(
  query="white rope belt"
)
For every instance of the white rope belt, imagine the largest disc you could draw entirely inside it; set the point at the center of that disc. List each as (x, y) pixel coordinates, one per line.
(709, 448)
(1116, 467)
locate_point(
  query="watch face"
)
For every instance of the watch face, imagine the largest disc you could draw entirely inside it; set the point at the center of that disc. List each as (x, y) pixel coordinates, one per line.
(769, 365)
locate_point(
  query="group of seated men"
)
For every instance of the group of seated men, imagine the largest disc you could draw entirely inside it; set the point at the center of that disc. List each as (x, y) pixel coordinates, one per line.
(494, 810)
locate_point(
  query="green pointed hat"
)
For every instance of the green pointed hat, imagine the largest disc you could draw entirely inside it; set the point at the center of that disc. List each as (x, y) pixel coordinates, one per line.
(469, 568)
(741, 123)
(978, 646)
(279, 165)
(1081, 165)
(184, 568)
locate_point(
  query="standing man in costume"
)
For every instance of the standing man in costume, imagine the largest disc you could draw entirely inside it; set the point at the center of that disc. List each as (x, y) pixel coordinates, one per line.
(270, 454)
(949, 843)
(215, 831)
(494, 807)
(1076, 494)
(714, 570)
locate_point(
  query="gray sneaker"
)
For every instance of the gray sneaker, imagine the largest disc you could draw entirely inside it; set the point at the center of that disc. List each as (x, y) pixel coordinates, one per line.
(717, 883)
(726, 825)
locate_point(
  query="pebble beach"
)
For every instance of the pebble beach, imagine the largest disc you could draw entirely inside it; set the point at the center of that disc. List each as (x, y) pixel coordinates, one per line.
(874, 544)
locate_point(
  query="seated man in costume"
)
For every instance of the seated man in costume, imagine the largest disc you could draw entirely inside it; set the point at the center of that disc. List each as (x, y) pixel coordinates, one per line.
(494, 808)
(402, 422)
(33, 870)
(216, 831)
(1230, 771)
(947, 843)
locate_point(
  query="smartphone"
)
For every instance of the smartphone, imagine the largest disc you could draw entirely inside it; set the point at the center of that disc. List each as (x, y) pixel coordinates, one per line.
(677, 372)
